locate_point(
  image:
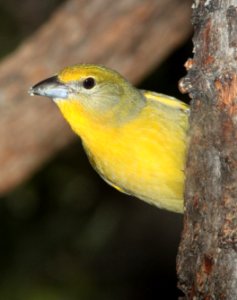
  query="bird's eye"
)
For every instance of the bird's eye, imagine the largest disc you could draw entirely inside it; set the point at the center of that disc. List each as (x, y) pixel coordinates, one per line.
(89, 83)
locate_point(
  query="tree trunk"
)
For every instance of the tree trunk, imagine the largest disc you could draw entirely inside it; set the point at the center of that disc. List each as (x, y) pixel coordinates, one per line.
(207, 259)
(132, 36)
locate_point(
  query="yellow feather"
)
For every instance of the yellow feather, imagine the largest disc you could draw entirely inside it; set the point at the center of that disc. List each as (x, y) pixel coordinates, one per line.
(136, 140)
(144, 157)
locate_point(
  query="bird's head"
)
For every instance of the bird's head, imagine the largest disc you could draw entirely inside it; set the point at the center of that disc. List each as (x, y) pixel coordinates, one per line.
(91, 91)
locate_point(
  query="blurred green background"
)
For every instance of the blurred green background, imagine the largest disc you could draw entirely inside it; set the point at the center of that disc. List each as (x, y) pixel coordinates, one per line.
(66, 234)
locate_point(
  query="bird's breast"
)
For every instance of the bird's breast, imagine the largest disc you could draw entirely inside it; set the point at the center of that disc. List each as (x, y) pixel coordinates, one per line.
(141, 158)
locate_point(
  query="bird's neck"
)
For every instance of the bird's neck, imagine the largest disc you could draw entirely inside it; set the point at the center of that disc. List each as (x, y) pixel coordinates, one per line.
(89, 127)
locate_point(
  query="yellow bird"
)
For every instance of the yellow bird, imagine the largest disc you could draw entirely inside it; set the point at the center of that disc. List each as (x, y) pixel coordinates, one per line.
(136, 140)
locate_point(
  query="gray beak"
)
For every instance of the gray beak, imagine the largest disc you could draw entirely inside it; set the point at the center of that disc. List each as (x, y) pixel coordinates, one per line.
(50, 87)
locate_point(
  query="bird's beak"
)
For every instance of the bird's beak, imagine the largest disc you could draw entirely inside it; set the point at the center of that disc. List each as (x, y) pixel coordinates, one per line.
(50, 87)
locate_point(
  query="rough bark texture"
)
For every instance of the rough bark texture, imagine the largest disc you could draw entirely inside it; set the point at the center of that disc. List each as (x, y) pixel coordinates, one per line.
(207, 259)
(131, 36)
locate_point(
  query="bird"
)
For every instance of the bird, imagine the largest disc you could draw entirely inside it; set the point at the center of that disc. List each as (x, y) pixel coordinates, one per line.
(135, 139)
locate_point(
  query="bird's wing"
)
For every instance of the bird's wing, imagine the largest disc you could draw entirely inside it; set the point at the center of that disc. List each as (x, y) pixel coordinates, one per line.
(166, 100)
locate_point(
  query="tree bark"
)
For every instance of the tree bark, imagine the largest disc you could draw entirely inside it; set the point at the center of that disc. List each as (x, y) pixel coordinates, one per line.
(132, 36)
(207, 259)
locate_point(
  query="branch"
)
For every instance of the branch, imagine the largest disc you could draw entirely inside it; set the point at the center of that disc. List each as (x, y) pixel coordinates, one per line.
(131, 36)
(207, 260)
